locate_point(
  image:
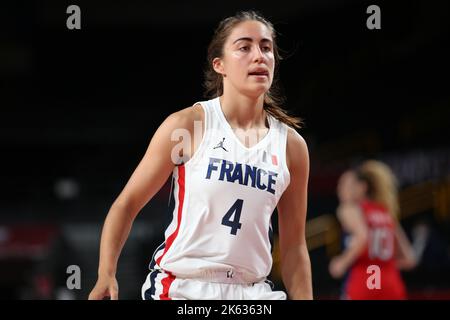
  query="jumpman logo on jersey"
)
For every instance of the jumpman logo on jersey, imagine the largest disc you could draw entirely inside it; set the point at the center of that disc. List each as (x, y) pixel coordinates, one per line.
(220, 145)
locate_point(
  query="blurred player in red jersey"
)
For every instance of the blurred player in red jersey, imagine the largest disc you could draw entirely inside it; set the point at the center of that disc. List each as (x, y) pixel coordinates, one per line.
(374, 240)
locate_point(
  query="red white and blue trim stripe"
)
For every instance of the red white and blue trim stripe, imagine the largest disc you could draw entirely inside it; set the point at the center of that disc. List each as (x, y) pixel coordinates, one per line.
(158, 281)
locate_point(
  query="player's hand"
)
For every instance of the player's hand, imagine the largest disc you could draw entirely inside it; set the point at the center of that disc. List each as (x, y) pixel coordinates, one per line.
(337, 267)
(106, 287)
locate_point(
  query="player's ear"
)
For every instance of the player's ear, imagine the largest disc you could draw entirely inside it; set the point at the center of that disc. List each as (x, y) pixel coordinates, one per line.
(218, 66)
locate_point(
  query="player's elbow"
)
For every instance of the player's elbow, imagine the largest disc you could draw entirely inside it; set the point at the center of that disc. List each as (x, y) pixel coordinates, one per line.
(124, 207)
(363, 237)
(409, 262)
(360, 240)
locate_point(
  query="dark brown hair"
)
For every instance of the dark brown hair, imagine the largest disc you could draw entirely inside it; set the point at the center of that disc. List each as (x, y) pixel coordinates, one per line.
(213, 84)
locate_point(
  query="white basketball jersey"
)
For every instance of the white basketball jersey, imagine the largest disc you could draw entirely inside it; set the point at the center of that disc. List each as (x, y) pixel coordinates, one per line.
(223, 200)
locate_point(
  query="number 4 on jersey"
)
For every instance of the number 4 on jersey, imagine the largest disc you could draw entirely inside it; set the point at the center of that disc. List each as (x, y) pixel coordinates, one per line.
(233, 222)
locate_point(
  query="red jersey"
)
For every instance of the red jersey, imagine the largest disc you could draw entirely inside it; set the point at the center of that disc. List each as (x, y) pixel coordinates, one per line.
(379, 252)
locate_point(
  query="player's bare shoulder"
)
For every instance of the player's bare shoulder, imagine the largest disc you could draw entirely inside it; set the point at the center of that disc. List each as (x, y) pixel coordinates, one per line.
(186, 118)
(184, 122)
(296, 149)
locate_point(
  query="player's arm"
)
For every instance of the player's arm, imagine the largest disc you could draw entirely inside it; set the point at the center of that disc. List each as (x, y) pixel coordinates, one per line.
(295, 262)
(147, 179)
(406, 258)
(352, 221)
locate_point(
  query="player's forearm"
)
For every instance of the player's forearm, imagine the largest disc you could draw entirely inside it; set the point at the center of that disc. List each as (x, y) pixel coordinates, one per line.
(407, 261)
(355, 249)
(115, 231)
(407, 257)
(296, 273)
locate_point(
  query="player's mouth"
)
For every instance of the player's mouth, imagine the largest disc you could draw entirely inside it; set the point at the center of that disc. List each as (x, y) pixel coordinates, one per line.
(259, 72)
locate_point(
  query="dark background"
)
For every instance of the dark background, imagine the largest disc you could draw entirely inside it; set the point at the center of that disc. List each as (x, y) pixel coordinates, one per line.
(79, 107)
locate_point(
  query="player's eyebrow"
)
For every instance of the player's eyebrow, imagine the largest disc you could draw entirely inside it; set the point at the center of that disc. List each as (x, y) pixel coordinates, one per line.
(251, 40)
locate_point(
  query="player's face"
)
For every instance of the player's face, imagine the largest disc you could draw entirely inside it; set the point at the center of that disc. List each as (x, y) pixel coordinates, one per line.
(248, 61)
(360, 189)
(347, 187)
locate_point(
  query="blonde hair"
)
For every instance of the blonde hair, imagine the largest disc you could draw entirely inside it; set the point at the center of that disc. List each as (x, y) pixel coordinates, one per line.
(382, 185)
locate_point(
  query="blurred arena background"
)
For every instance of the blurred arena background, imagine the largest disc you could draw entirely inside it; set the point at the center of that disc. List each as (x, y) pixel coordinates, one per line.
(79, 107)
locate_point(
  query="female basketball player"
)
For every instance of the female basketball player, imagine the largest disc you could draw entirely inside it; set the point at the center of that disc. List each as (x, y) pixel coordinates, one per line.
(368, 210)
(245, 160)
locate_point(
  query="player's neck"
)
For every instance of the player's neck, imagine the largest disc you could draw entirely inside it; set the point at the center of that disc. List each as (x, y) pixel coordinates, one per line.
(242, 111)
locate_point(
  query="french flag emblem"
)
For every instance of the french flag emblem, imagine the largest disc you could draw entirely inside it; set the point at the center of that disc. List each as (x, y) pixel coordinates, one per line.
(273, 158)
